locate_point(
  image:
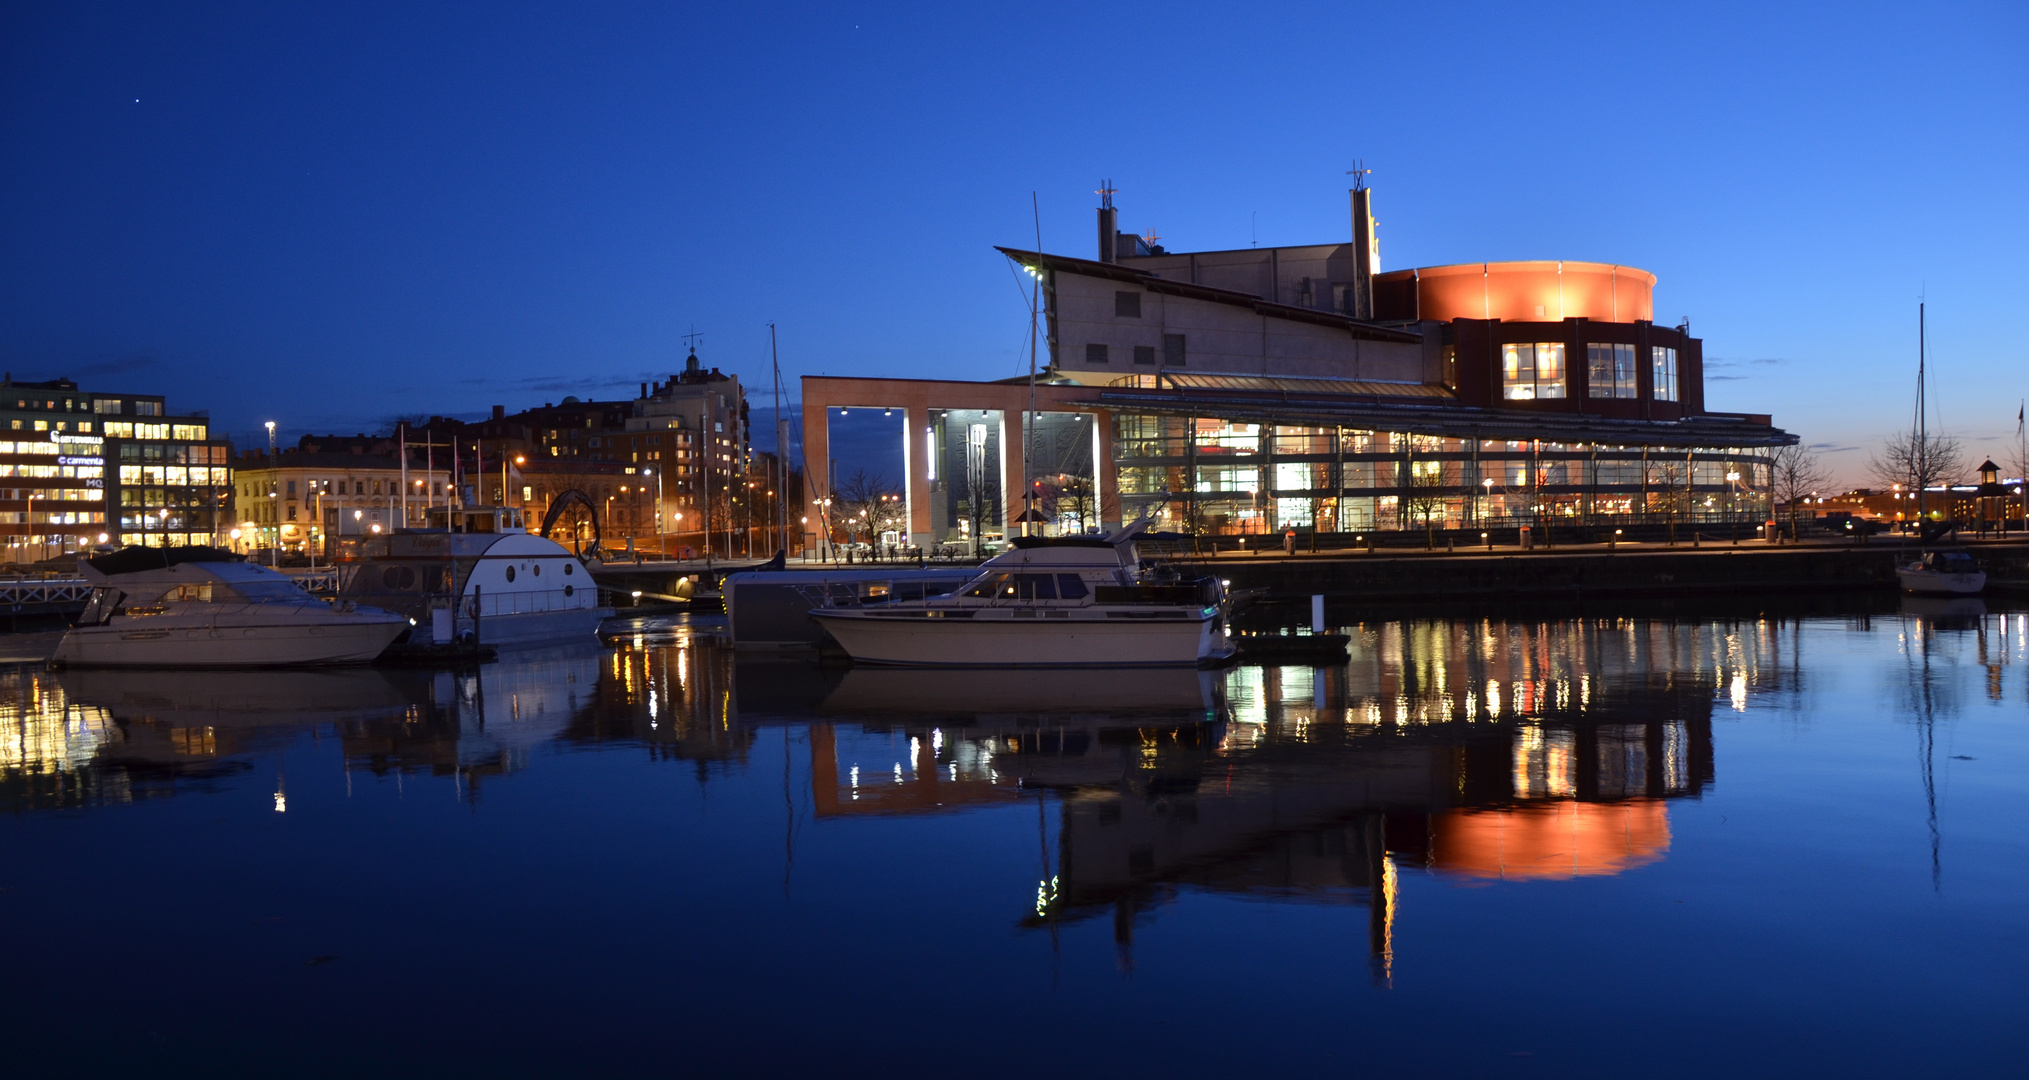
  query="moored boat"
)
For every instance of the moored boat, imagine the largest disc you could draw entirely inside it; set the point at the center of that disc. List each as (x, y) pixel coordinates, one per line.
(1942, 573)
(477, 571)
(199, 607)
(1065, 602)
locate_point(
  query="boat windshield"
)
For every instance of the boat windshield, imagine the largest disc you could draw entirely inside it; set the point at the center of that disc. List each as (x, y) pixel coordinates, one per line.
(1009, 586)
(259, 591)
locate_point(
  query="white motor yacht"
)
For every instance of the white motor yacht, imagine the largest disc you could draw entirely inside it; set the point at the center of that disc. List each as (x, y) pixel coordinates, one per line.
(205, 608)
(1942, 573)
(477, 570)
(1062, 602)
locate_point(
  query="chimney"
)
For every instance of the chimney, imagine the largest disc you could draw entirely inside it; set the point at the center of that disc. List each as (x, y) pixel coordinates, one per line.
(499, 412)
(644, 389)
(1366, 255)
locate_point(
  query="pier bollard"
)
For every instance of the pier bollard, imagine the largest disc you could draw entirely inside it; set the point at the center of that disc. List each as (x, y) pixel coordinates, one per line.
(1317, 613)
(1450, 544)
(1489, 538)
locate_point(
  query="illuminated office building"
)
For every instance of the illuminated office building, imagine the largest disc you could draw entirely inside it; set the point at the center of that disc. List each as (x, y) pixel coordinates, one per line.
(79, 468)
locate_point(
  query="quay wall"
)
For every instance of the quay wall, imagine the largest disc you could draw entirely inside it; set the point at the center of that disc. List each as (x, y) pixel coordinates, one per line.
(1514, 574)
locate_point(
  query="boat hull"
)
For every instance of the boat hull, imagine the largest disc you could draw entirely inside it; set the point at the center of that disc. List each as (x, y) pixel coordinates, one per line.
(169, 642)
(1938, 583)
(541, 627)
(871, 638)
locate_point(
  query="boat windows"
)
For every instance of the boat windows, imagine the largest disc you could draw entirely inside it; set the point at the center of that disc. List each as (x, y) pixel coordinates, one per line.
(990, 585)
(1036, 587)
(538, 569)
(196, 591)
(569, 589)
(398, 577)
(568, 568)
(1071, 587)
(510, 574)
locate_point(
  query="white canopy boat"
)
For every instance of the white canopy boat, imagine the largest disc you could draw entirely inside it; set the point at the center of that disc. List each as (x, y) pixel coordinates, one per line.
(1942, 573)
(477, 570)
(202, 607)
(1063, 602)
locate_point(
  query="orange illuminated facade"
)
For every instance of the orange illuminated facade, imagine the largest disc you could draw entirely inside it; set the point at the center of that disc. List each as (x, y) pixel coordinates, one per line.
(1541, 291)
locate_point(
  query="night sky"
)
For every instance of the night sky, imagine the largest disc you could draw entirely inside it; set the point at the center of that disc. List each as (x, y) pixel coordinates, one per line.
(333, 216)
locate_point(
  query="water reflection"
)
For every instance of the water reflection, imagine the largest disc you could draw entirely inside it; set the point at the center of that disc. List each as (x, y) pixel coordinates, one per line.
(1475, 751)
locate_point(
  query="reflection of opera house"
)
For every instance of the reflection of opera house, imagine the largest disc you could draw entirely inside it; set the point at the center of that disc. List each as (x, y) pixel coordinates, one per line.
(1254, 390)
(1512, 752)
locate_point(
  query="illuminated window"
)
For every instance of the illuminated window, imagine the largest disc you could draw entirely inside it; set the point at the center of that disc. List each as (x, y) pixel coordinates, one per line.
(1609, 371)
(1665, 373)
(106, 405)
(1532, 372)
(148, 408)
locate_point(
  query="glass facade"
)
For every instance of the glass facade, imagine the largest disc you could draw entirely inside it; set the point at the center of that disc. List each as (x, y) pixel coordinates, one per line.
(80, 468)
(1225, 477)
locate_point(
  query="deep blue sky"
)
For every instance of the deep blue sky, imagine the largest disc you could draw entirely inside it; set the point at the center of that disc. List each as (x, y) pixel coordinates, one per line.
(330, 217)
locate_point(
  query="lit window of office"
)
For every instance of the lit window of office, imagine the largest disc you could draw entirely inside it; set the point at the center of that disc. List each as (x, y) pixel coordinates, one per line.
(1532, 372)
(1665, 373)
(1609, 371)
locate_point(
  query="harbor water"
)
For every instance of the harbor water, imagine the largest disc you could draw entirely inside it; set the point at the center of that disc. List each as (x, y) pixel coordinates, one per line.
(1750, 841)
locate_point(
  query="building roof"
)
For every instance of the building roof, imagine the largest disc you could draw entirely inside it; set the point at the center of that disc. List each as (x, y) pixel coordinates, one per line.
(1365, 331)
(1400, 407)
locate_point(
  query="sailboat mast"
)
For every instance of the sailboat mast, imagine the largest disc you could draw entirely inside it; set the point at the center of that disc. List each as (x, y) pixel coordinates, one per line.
(781, 448)
(1028, 417)
(1920, 453)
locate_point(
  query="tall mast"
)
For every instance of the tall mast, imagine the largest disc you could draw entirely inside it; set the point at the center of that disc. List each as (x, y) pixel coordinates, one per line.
(1028, 417)
(781, 448)
(1921, 451)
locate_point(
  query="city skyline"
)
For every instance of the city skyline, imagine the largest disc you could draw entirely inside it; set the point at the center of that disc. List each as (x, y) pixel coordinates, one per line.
(337, 220)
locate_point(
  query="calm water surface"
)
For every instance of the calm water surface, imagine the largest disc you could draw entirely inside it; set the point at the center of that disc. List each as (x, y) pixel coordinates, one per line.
(1763, 843)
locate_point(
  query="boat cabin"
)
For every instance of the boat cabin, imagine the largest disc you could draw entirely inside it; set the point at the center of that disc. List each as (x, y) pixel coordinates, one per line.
(477, 519)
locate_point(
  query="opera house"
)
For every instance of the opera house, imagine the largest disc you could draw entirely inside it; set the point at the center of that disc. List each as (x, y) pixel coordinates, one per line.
(1263, 389)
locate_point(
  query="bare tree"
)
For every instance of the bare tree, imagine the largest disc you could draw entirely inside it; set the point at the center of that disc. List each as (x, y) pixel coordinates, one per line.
(870, 501)
(982, 486)
(1914, 464)
(1421, 496)
(1794, 474)
(1669, 490)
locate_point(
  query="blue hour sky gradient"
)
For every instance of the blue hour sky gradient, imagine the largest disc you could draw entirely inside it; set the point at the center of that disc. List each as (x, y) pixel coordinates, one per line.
(330, 216)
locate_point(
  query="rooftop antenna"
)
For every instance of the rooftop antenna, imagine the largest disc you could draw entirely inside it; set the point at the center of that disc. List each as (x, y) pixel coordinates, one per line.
(1106, 193)
(1359, 172)
(1253, 235)
(1150, 238)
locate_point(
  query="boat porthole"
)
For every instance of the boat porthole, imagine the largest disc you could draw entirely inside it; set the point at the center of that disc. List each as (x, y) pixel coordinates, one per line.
(568, 569)
(510, 573)
(538, 569)
(569, 589)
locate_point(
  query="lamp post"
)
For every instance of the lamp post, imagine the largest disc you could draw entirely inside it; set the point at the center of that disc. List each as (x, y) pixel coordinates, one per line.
(661, 549)
(274, 494)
